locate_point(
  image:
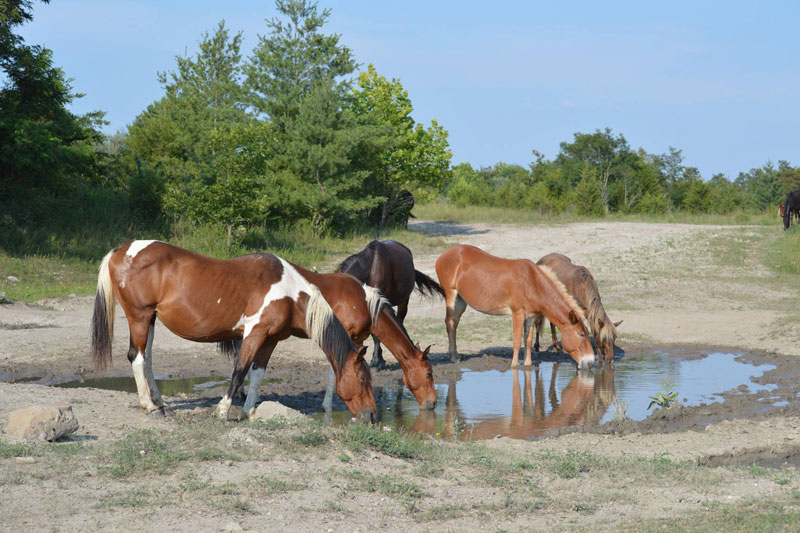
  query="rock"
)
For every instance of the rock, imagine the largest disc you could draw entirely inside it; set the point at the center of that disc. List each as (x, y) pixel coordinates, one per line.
(267, 410)
(12, 279)
(2, 297)
(232, 526)
(42, 422)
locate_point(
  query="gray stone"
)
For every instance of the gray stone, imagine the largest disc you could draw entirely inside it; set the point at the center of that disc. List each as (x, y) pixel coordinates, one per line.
(12, 279)
(267, 410)
(42, 422)
(2, 297)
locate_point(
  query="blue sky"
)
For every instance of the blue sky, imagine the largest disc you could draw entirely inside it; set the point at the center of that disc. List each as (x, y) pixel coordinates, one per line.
(719, 80)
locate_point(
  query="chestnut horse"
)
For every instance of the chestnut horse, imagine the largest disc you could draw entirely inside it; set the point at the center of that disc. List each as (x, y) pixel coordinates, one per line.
(580, 285)
(259, 298)
(361, 309)
(389, 267)
(516, 287)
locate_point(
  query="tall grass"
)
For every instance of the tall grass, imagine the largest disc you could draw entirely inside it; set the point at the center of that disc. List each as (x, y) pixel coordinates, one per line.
(448, 212)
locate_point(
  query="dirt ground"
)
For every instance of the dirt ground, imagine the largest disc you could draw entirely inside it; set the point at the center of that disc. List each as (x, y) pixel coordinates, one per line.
(688, 288)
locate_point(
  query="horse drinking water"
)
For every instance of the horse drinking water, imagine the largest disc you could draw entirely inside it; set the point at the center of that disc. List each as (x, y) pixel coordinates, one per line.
(516, 287)
(580, 285)
(259, 298)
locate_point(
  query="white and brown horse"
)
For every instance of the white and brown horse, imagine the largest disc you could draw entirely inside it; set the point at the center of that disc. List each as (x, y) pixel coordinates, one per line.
(581, 285)
(516, 287)
(362, 310)
(259, 298)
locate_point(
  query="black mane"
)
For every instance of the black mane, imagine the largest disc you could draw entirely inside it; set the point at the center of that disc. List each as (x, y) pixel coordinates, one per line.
(359, 265)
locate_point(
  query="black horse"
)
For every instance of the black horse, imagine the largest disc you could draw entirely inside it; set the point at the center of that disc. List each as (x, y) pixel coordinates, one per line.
(791, 207)
(389, 267)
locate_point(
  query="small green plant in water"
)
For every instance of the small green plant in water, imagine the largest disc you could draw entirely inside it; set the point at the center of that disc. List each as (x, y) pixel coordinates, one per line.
(662, 400)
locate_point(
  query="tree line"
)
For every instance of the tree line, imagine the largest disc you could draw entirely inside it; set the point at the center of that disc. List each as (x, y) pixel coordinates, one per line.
(293, 134)
(598, 173)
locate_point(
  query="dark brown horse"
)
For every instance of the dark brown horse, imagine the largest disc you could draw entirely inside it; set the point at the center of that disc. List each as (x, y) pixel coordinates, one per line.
(260, 299)
(516, 287)
(791, 208)
(581, 285)
(362, 310)
(389, 267)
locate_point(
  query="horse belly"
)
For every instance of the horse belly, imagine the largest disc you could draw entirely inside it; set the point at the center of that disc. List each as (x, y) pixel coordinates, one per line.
(197, 325)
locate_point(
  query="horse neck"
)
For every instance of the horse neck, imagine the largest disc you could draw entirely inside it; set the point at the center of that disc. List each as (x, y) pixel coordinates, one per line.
(392, 335)
(544, 296)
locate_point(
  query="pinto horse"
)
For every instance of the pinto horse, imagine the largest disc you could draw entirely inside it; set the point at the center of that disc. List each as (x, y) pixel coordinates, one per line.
(389, 267)
(516, 287)
(361, 310)
(259, 298)
(581, 285)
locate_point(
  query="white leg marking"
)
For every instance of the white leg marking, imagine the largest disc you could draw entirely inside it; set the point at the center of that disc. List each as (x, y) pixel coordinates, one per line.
(256, 376)
(142, 387)
(223, 406)
(148, 368)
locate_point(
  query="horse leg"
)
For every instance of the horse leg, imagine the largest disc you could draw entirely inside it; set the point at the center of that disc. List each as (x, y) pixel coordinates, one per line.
(257, 370)
(239, 395)
(517, 324)
(377, 355)
(538, 322)
(247, 354)
(455, 308)
(555, 339)
(148, 366)
(327, 401)
(527, 333)
(140, 330)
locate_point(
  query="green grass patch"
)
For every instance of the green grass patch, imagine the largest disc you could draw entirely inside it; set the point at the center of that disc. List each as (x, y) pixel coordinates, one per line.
(16, 450)
(128, 498)
(145, 451)
(396, 443)
(784, 253)
(751, 516)
(313, 436)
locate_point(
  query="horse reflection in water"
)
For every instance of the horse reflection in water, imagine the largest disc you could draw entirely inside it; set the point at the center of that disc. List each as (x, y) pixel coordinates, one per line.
(584, 402)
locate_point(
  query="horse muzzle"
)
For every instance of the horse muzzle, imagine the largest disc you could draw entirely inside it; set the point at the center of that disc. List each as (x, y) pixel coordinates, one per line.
(586, 361)
(429, 405)
(368, 416)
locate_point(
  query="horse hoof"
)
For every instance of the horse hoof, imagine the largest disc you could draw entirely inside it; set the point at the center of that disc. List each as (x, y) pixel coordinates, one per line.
(455, 359)
(378, 364)
(157, 412)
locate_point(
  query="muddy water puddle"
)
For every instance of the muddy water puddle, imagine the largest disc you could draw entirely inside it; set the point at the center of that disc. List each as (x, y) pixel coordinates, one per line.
(528, 402)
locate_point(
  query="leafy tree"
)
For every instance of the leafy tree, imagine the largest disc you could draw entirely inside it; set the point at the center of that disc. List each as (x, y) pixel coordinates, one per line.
(407, 155)
(43, 146)
(762, 187)
(609, 155)
(788, 176)
(587, 197)
(286, 63)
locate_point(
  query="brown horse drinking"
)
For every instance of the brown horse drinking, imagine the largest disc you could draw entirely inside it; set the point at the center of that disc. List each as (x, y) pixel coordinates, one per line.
(581, 285)
(361, 309)
(516, 287)
(389, 267)
(259, 298)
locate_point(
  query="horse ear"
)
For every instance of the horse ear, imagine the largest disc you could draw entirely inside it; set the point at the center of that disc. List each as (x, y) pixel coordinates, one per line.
(424, 352)
(420, 347)
(616, 324)
(573, 318)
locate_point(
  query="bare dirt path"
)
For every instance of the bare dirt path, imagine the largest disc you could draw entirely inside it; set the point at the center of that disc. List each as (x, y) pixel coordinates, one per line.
(672, 284)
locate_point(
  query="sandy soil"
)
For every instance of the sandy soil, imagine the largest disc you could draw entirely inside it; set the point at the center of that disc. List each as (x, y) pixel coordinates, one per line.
(694, 288)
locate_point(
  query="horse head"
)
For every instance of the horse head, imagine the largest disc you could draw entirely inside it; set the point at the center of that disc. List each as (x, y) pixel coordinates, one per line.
(418, 377)
(576, 341)
(354, 387)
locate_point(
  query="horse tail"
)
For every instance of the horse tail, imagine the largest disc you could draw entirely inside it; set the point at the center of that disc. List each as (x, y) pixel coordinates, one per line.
(326, 331)
(426, 286)
(375, 302)
(103, 318)
(230, 347)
